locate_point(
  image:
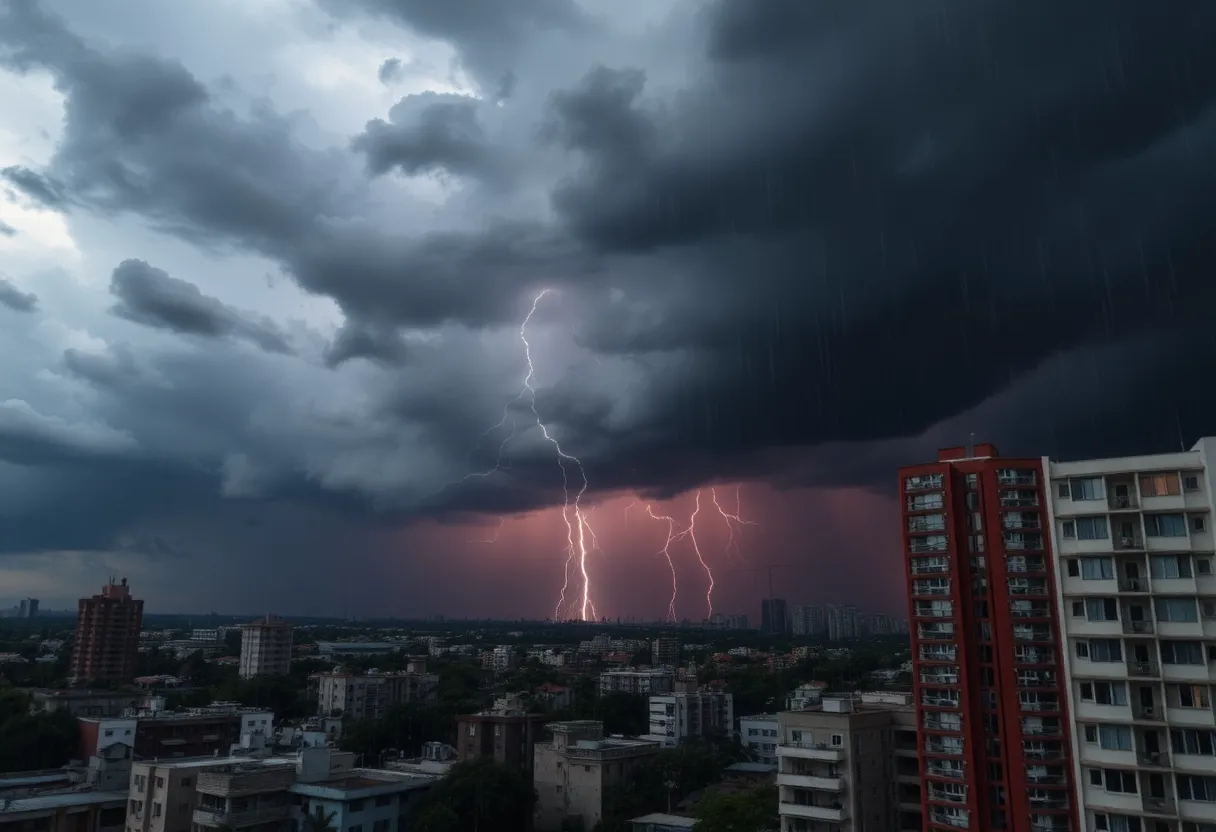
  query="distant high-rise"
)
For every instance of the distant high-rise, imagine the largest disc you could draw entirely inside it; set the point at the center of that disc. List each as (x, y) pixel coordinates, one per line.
(107, 635)
(29, 608)
(773, 615)
(265, 648)
(842, 623)
(808, 620)
(665, 652)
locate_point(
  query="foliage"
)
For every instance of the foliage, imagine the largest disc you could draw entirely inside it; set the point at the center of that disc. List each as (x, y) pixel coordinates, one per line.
(34, 741)
(479, 794)
(660, 782)
(320, 821)
(753, 810)
(403, 728)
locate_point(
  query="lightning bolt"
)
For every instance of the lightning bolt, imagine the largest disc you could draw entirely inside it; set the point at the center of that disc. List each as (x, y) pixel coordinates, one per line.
(577, 526)
(672, 537)
(692, 535)
(732, 520)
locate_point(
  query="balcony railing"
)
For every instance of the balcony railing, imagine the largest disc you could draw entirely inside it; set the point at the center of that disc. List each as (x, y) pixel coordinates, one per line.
(918, 547)
(1137, 627)
(1149, 669)
(1046, 779)
(937, 725)
(1133, 584)
(952, 773)
(934, 635)
(1158, 759)
(1042, 611)
(930, 569)
(1040, 706)
(1125, 544)
(947, 797)
(1121, 503)
(940, 748)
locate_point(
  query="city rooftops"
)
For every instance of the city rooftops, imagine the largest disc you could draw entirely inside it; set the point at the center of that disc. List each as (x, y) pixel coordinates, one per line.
(758, 718)
(662, 819)
(363, 783)
(645, 671)
(63, 800)
(357, 647)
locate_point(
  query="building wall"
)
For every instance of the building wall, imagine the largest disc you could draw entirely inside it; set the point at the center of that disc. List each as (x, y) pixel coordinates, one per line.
(107, 635)
(265, 648)
(568, 786)
(759, 736)
(993, 583)
(1149, 714)
(163, 797)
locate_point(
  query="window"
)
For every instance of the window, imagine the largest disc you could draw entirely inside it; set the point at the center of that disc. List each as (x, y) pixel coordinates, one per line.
(1104, 693)
(1181, 652)
(1199, 523)
(1188, 696)
(156, 809)
(1117, 823)
(1086, 488)
(1097, 569)
(837, 740)
(1086, 528)
(1082, 648)
(1166, 567)
(1101, 609)
(1203, 566)
(1160, 485)
(1114, 780)
(187, 782)
(1164, 525)
(1176, 609)
(1196, 787)
(1201, 741)
(160, 782)
(1115, 737)
(1105, 650)
(355, 806)
(384, 800)
(109, 732)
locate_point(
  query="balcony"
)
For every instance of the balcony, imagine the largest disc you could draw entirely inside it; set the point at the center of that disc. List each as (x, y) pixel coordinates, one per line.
(239, 820)
(1019, 499)
(1153, 759)
(807, 781)
(1122, 502)
(833, 814)
(1134, 543)
(1146, 670)
(811, 751)
(948, 773)
(922, 547)
(935, 635)
(932, 747)
(1046, 779)
(1160, 805)
(1049, 803)
(1127, 584)
(1141, 628)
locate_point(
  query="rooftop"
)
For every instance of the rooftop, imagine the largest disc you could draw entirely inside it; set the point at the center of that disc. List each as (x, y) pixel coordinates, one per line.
(43, 802)
(663, 819)
(364, 782)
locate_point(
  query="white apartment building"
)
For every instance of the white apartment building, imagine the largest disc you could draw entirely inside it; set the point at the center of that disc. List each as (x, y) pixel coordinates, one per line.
(265, 648)
(842, 622)
(674, 717)
(369, 695)
(1137, 597)
(645, 682)
(849, 765)
(572, 770)
(758, 734)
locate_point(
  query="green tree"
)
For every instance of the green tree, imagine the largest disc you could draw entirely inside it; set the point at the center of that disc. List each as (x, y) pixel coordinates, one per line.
(753, 810)
(35, 741)
(319, 820)
(482, 795)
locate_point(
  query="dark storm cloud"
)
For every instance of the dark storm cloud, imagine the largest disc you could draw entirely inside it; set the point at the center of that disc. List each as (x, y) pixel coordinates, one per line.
(15, 299)
(428, 133)
(149, 296)
(35, 186)
(486, 33)
(391, 71)
(856, 221)
(28, 437)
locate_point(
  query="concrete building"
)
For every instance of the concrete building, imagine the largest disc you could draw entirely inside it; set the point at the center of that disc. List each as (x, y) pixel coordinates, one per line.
(28, 608)
(156, 733)
(356, 648)
(758, 734)
(843, 623)
(808, 620)
(573, 768)
(95, 703)
(362, 800)
(1137, 603)
(107, 635)
(506, 733)
(369, 695)
(662, 822)
(849, 765)
(774, 616)
(988, 661)
(645, 682)
(64, 810)
(675, 717)
(265, 648)
(665, 652)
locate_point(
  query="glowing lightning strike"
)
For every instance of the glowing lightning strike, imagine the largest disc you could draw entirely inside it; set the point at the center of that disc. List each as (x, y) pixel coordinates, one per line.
(692, 535)
(577, 531)
(731, 520)
(672, 537)
(502, 521)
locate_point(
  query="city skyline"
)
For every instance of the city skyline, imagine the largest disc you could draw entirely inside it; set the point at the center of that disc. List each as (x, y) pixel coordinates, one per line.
(296, 323)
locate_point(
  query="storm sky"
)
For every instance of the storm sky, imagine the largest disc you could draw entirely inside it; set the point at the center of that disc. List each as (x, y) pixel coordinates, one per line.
(264, 264)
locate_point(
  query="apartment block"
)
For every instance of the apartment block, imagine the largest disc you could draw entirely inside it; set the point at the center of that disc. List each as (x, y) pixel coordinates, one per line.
(843, 623)
(573, 769)
(506, 733)
(665, 652)
(107, 635)
(758, 734)
(154, 733)
(849, 765)
(370, 695)
(675, 717)
(265, 648)
(808, 620)
(1135, 567)
(644, 682)
(988, 660)
(774, 616)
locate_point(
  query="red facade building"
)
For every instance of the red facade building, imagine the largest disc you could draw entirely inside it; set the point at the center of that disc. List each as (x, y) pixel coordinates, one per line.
(107, 635)
(988, 672)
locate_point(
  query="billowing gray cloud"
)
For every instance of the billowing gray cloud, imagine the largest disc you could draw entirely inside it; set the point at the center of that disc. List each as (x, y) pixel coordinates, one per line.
(810, 228)
(149, 296)
(29, 437)
(430, 133)
(34, 185)
(7, 230)
(391, 71)
(15, 299)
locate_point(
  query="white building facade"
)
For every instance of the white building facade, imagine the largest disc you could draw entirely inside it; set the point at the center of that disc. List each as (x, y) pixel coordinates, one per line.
(1137, 597)
(675, 717)
(758, 734)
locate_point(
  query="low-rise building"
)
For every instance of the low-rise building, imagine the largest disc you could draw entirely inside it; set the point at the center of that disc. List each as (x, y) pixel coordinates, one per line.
(849, 764)
(665, 652)
(155, 733)
(356, 648)
(675, 717)
(506, 733)
(645, 682)
(574, 767)
(64, 810)
(369, 695)
(96, 703)
(662, 822)
(758, 734)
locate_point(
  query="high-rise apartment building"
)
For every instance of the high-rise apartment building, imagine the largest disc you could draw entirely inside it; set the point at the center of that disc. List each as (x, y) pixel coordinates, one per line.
(675, 717)
(842, 622)
(28, 608)
(774, 616)
(665, 652)
(988, 664)
(265, 648)
(1135, 566)
(107, 635)
(808, 620)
